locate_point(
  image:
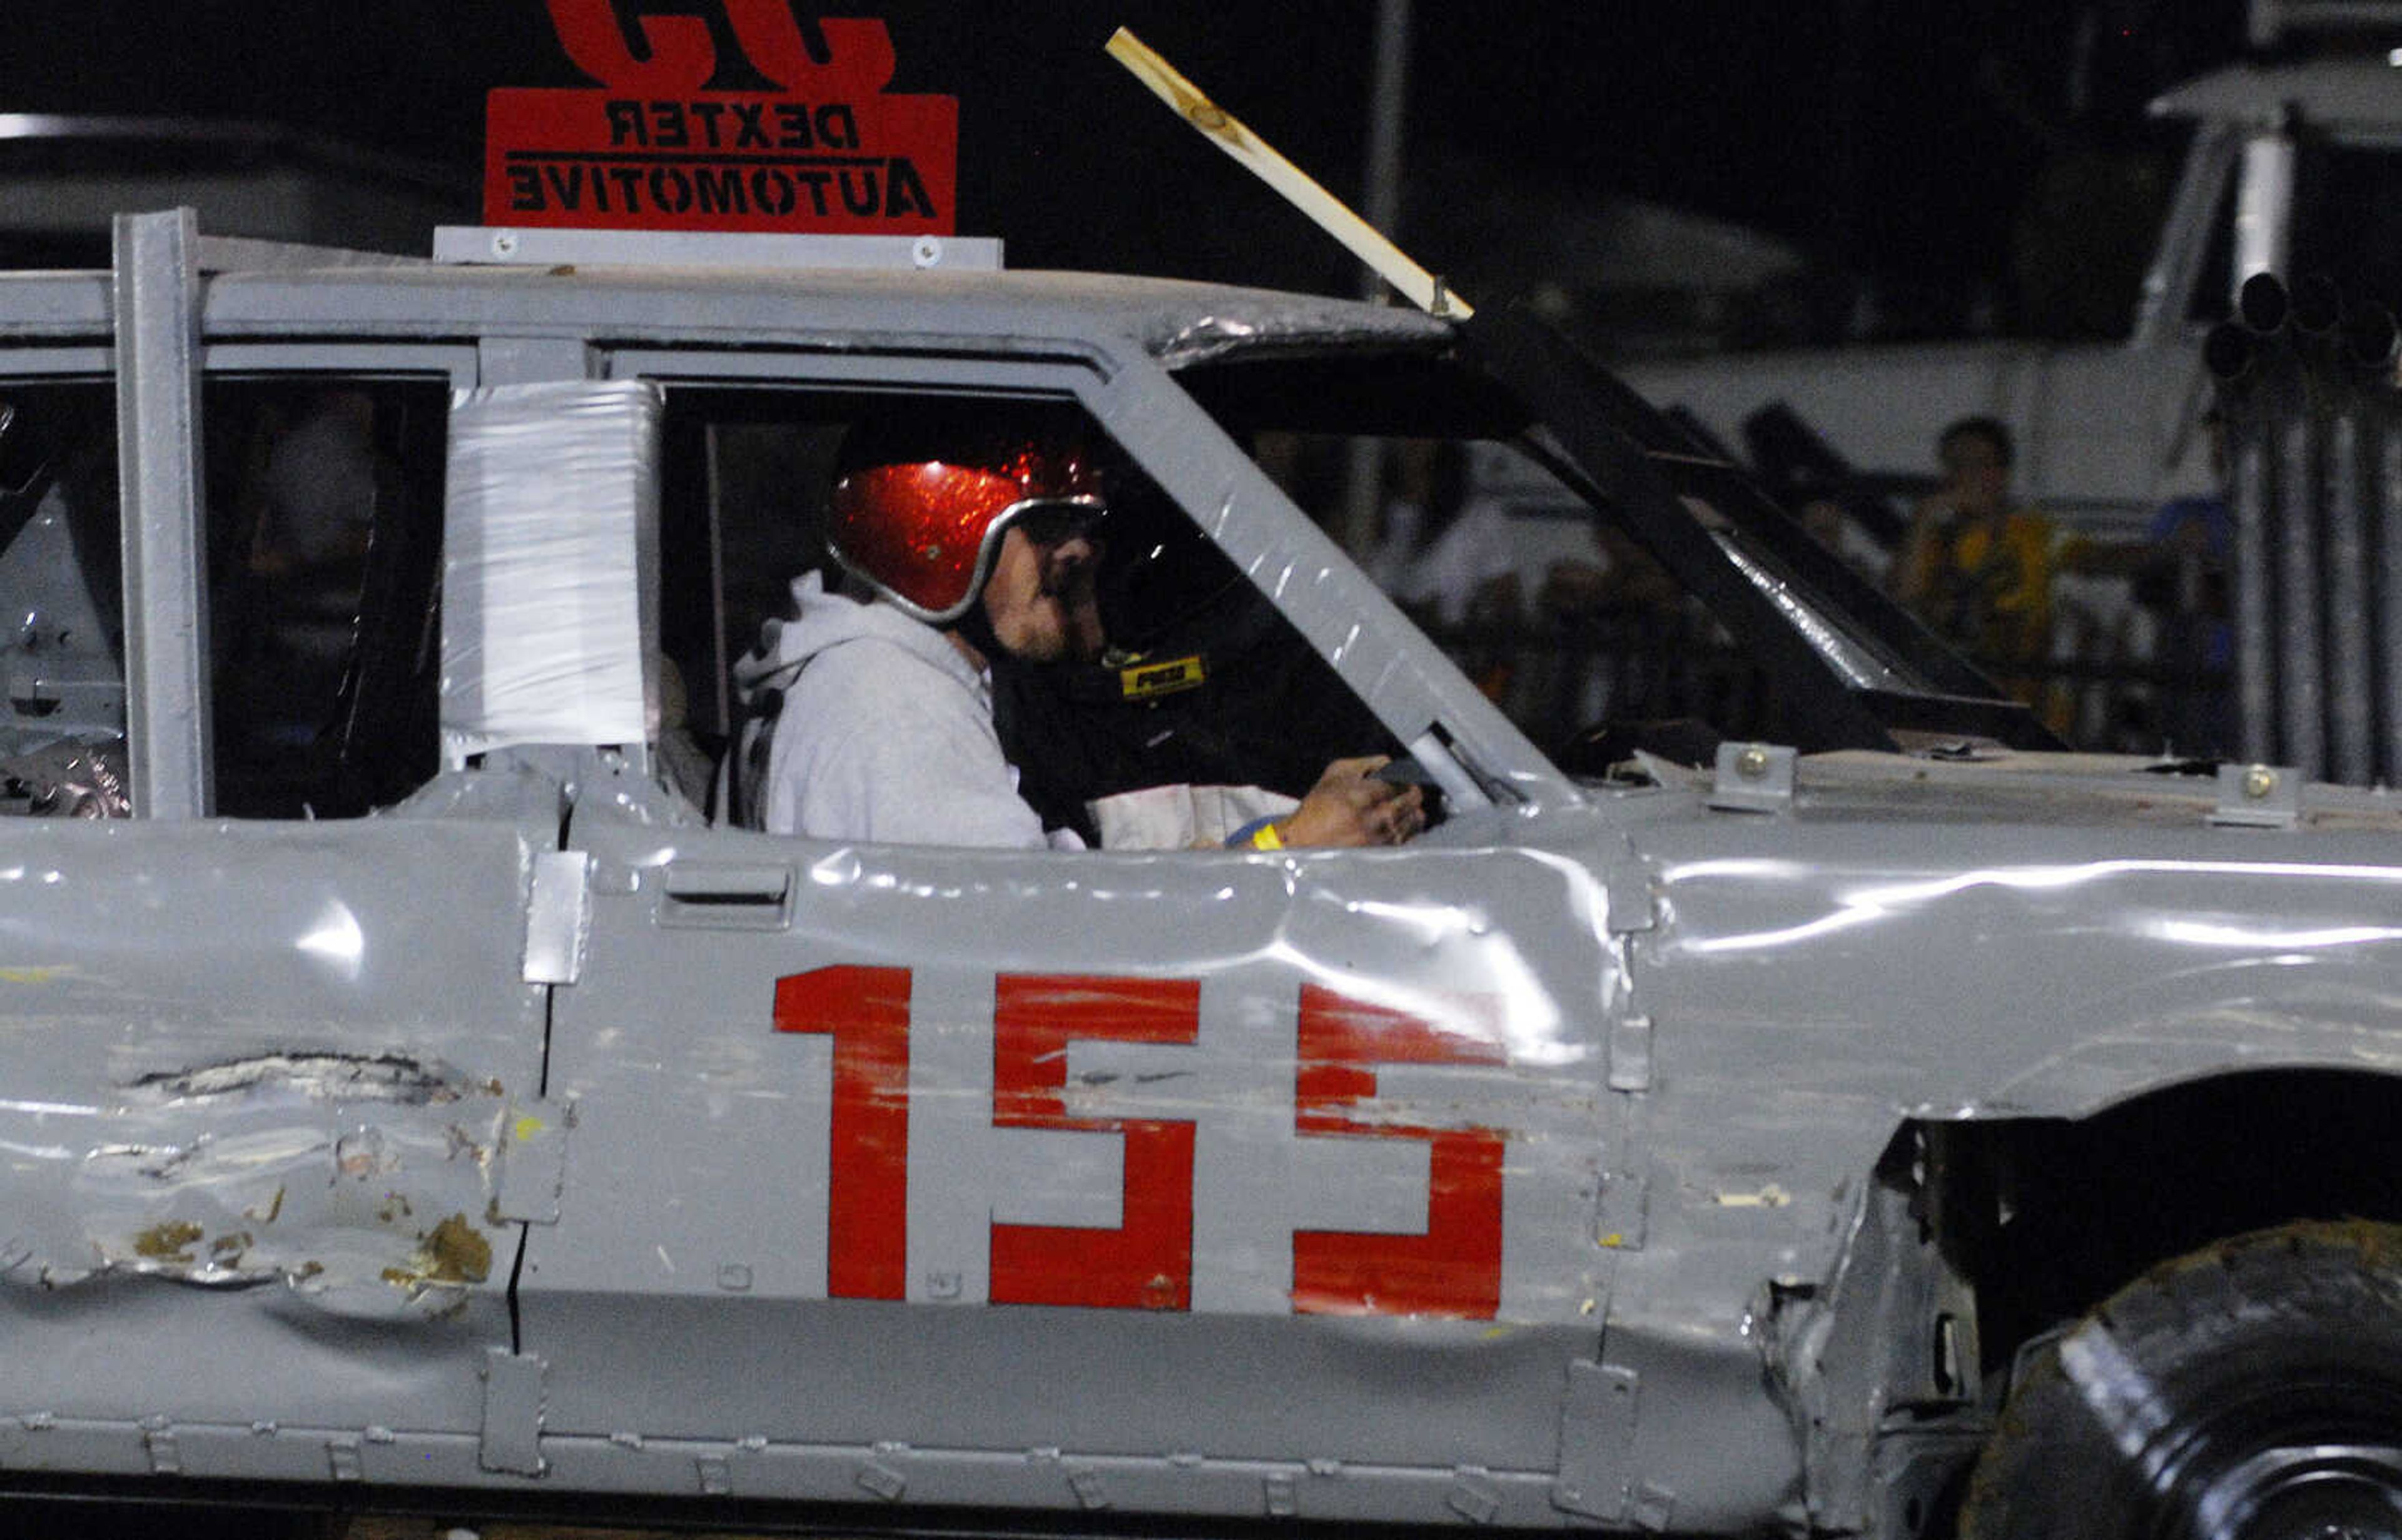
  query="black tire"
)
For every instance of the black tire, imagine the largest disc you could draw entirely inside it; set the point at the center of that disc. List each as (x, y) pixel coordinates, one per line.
(2251, 1391)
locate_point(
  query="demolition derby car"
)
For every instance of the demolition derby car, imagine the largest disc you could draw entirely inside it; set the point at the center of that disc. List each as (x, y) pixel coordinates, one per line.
(1854, 1116)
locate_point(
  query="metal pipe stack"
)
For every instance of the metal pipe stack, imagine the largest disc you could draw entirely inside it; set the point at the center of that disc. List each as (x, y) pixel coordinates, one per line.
(2311, 406)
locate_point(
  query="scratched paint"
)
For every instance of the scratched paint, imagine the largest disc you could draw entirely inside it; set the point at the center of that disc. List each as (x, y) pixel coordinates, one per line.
(361, 1182)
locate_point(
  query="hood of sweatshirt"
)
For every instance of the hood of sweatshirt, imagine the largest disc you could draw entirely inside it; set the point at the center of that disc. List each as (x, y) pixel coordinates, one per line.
(821, 620)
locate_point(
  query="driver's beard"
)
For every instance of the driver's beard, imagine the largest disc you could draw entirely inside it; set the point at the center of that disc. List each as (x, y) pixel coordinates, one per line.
(975, 627)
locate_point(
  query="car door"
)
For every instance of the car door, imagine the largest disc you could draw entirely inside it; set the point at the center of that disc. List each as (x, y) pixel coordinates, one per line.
(262, 1047)
(1181, 1179)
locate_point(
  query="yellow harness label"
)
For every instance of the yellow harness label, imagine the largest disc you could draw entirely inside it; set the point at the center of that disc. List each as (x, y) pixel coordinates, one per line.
(1145, 679)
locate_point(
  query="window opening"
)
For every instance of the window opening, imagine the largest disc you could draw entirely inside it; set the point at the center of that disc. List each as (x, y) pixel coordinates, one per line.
(325, 520)
(322, 509)
(1201, 681)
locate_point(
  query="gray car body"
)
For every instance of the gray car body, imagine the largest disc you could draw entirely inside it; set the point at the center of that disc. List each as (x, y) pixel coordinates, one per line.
(454, 1146)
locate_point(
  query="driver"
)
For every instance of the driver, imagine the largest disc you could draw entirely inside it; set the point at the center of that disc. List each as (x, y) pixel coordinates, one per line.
(978, 535)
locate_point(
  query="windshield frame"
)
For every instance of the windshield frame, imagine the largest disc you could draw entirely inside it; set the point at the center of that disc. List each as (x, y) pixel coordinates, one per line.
(1860, 671)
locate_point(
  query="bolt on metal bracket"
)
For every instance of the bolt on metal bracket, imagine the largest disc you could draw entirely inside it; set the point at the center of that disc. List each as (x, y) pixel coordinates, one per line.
(1753, 777)
(2258, 796)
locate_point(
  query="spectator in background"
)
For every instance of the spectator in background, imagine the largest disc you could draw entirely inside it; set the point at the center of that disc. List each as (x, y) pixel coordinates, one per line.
(1979, 570)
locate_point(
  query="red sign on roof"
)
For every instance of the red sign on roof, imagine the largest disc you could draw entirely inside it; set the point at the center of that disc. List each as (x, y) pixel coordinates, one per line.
(652, 148)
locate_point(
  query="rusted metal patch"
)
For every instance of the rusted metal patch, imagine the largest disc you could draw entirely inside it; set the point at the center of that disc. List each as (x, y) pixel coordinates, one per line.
(451, 1255)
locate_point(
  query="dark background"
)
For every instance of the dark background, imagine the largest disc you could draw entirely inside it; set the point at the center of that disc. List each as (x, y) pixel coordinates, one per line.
(1894, 143)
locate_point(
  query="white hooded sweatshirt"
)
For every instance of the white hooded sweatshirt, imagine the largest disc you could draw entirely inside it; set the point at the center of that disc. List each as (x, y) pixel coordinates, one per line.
(885, 732)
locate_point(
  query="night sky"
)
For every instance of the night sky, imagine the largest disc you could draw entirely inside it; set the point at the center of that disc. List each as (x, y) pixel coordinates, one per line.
(1882, 136)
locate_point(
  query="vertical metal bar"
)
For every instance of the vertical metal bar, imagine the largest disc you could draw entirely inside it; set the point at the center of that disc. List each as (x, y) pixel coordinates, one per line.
(722, 705)
(2384, 510)
(2387, 541)
(1380, 204)
(2255, 581)
(1389, 88)
(157, 295)
(2264, 205)
(2300, 674)
(2350, 704)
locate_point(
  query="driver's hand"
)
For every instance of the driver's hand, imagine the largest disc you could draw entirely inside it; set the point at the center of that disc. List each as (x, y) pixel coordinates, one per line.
(1348, 807)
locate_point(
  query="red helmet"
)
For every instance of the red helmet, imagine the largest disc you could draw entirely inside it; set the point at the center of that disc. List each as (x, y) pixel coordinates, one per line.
(918, 510)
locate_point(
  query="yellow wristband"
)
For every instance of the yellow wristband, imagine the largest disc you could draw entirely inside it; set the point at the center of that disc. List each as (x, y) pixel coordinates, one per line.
(1266, 838)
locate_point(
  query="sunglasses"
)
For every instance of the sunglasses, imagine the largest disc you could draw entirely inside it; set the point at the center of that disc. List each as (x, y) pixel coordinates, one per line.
(1049, 523)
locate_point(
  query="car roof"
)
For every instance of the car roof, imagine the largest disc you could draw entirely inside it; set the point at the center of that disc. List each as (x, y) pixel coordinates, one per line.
(261, 288)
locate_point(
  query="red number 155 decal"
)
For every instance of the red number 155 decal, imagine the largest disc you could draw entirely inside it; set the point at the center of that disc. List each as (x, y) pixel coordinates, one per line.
(1453, 1269)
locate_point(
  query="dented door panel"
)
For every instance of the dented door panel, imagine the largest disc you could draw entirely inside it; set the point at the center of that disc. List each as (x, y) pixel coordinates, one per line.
(1089, 1140)
(258, 1080)
(2047, 977)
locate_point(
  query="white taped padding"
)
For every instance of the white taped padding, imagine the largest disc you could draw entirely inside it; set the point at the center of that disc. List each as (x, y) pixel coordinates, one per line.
(549, 596)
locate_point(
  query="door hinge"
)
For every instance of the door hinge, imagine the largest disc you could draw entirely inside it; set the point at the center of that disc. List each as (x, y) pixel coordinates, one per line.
(512, 1404)
(1630, 1053)
(533, 1160)
(1596, 1440)
(1631, 906)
